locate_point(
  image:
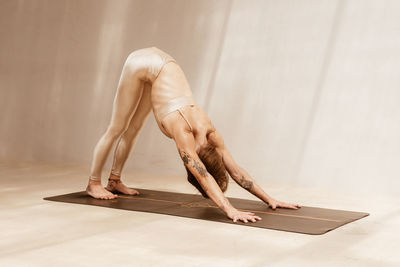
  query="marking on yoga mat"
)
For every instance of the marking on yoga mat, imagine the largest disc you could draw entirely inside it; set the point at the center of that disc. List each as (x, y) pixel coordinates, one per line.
(197, 205)
(185, 204)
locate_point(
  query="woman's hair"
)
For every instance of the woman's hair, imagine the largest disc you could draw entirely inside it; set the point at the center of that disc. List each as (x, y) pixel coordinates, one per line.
(214, 165)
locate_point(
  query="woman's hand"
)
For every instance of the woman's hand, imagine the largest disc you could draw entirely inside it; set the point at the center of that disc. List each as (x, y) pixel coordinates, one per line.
(244, 216)
(279, 204)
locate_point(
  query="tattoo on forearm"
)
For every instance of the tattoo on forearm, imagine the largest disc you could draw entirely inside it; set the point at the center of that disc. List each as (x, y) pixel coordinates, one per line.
(246, 184)
(184, 156)
(194, 163)
(199, 168)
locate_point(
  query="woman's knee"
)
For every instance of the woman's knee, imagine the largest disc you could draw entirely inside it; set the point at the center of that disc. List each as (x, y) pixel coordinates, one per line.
(115, 131)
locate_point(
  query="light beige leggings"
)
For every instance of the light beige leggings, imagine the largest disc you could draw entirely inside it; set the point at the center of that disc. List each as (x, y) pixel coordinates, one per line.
(131, 107)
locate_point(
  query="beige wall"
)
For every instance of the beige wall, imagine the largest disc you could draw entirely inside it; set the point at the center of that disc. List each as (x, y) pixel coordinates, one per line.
(304, 92)
(61, 61)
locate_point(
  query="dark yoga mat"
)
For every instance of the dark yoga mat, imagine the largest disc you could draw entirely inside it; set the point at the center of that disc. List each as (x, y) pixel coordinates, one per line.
(307, 220)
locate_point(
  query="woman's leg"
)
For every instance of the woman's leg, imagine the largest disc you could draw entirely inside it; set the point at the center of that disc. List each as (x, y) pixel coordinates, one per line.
(129, 92)
(127, 142)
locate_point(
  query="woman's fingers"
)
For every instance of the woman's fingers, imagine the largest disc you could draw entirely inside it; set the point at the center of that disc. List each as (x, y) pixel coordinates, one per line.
(287, 206)
(245, 217)
(252, 218)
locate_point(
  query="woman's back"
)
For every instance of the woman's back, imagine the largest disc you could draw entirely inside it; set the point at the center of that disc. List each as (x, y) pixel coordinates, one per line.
(172, 100)
(173, 103)
(170, 85)
(170, 90)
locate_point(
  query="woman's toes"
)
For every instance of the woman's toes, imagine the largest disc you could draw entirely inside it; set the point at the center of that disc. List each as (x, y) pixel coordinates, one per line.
(133, 192)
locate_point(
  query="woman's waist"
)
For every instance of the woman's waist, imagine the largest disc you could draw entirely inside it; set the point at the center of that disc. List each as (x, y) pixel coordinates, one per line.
(162, 108)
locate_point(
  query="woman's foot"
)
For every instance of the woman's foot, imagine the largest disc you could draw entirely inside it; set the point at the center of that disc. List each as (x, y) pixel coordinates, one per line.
(115, 185)
(96, 190)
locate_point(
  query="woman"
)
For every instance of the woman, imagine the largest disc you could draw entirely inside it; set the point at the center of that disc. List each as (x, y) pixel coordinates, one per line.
(152, 80)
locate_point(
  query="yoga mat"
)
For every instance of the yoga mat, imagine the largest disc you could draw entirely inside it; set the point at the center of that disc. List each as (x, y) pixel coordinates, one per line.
(306, 220)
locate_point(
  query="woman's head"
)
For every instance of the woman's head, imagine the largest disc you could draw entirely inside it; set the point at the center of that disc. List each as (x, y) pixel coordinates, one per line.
(214, 165)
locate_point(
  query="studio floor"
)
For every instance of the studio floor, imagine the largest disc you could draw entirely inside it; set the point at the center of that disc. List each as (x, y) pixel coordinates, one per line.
(35, 232)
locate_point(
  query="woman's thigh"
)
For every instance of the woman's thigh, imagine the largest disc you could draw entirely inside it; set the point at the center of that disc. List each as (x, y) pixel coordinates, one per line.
(126, 100)
(142, 111)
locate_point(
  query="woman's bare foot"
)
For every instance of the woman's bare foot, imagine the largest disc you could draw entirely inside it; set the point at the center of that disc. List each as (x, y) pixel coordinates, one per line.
(115, 185)
(96, 190)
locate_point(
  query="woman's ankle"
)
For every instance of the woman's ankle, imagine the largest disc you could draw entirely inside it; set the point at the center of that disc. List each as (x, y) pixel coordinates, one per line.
(114, 176)
(94, 182)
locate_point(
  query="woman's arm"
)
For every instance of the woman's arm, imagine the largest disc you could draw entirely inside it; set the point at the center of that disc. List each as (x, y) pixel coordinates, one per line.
(186, 146)
(207, 182)
(241, 177)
